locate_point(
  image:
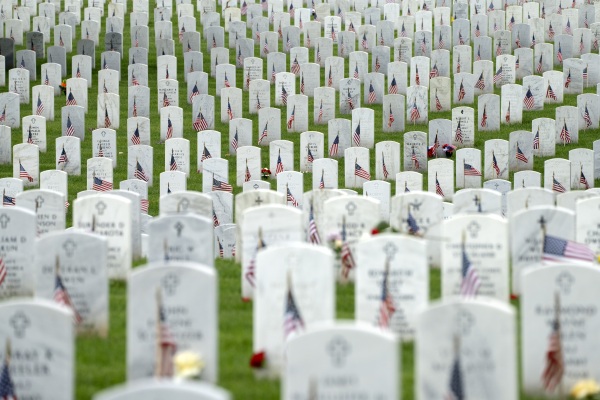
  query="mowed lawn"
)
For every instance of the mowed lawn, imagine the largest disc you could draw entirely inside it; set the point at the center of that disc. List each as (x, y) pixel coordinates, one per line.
(101, 362)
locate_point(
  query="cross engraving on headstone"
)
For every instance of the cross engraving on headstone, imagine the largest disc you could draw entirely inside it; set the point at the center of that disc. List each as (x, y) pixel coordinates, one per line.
(178, 227)
(390, 250)
(38, 202)
(100, 207)
(351, 207)
(473, 229)
(255, 186)
(464, 321)
(338, 349)
(169, 283)
(416, 205)
(20, 323)
(258, 200)
(4, 220)
(564, 281)
(69, 246)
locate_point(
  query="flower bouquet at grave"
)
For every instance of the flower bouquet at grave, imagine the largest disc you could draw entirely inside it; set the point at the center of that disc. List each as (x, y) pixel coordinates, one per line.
(188, 365)
(258, 362)
(585, 389)
(265, 173)
(63, 88)
(383, 227)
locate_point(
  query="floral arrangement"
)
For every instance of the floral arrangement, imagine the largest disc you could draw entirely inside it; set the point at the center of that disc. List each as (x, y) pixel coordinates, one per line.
(188, 365)
(63, 87)
(258, 360)
(265, 173)
(586, 389)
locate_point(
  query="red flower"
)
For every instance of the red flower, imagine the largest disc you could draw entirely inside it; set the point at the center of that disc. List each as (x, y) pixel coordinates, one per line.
(374, 231)
(258, 360)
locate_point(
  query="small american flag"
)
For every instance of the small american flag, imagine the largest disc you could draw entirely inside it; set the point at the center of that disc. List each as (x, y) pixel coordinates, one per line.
(320, 116)
(101, 185)
(360, 172)
(498, 49)
(417, 77)
(302, 86)
(165, 342)
(470, 278)
(583, 180)
(554, 367)
(221, 251)
(291, 198)
(322, 181)
(252, 265)
(458, 65)
(295, 68)
(40, 106)
(214, 43)
(221, 186)
(438, 103)
(7, 387)
(540, 66)
(330, 78)
(46, 79)
(309, 157)
(507, 116)
(529, 100)
(585, 73)
(385, 170)
(391, 118)
(313, 233)
(247, 174)
(264, 133)
(107, 122)
(284, 95)
(495, 164)
(70, 128)
(226, 81)
(480, 82)
(205, 153)
(137, 42)
(556, 248)
(356, 136)
(166, 102)
(240, 59)
(435, 72)
(470, 170)
(347, 260)
(559, 55)
(356, 75)
(244, 9)
(550, 32)
(565, 136)
(63, 159)
(440, 41)
(71, 99)
(415, 159)
(550, 93)
(279, 167)
(581, 46)
(517, 63)
(134, 112)
(372, 96)
(477, 30)
(61, 296)
(7, 201)
(23, 174)
(134, 81)
(458, 137)
(266, 47)
(478, 58)
(139, 172)
(350, 100)
(234, 141)
(461, 39)
(568, 29)
(438, 187)
(290, 121)
(333, 34)
(518, 41)
(200, 123)
(229, 110)
(215, 220)
(436, 143)
(377, 64)
(169, 128)
(587, 118)
(364, 43)
(536, 139)
(195, 92)
(173, 164)
(181, 32)
(568, 80)
(29, 136)
(456, 389)
(414, 112)
(557, 186)
(461, 92)
(403, 32)
(333, 151)
(386, 305)
(292, 320)
(511, 23)
(520, 155)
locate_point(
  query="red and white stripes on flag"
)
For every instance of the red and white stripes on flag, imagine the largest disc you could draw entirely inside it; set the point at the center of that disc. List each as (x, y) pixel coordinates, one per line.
(386, 301)
(470, 278)
(313, 233)
(61, 296)
(165, 343)
(3, 271)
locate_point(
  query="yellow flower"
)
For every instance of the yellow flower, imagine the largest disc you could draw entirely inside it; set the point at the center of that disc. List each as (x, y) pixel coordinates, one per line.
(585, 388)
(188, 364)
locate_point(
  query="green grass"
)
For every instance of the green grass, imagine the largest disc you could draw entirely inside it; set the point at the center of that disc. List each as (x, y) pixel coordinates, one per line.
(101, 362)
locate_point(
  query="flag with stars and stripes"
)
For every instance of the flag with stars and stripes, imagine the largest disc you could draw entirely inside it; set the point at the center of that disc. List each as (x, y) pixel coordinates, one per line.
(200, 123)
(470, 170)
(559, 55)
(290, 121)
(264, 133)
(415, 159)
(292, 320)
(470, 278)
(291, 198)
(361, 172)
(107, 122)
(279, 166)
(310, 158)
(495, 165)
(71, 99)
(347, 259)
(173, 163)
(247, 174)
(70, 128)
(568, 80)
(536, 140)
(520, 155)
(458, 137)
(333, 151)
(40, 106)
(529, 100)
(221, 186)
(229, 110)
(134, 80)
(205, 154)
(135, 138)
(550, 93)
(554, 366)
(350, 101)
(7, 387)
(393, 89)
(586, 117)
(484, 117)
(557, 249)
(165, 342)
(565, 135)
(583, 180)
(101, 185)
(480, 84)
(461, 92)
(63, 159)
(391, 118)
(234, 141)
(498, 75)
(414, 112)
(284, 95)
(23, 174)
(195, 92)
(438, 187)
(215, 220)
(139, 172)
(313, 233)
(456, 390)
(372, 96)
(557, 186)
(61, 296)
(356, 135)
(386, 302)
(386, 173)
